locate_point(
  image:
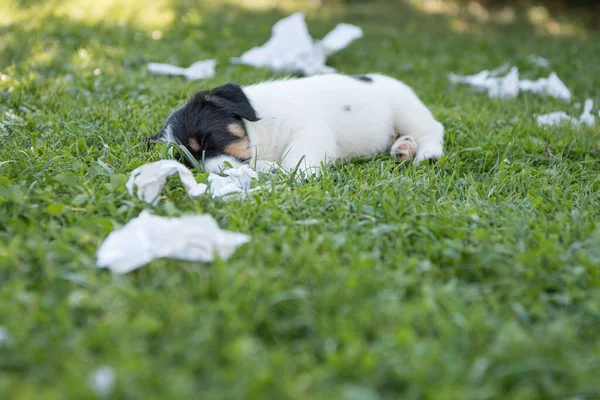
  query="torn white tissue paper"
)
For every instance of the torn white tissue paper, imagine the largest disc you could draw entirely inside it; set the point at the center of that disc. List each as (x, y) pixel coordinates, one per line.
(147, 237)
(501, 70)
(507, 87)
(587, 117)
(237, 180)
(4, 336)
(557, 117)
(504, 87)
(102, 381)
(510, 85)
(151, 178)
(478, 81)
(292, 49)
(538, 61)
(554, 118)
(551, 86)
(198, 70)
(340, 38)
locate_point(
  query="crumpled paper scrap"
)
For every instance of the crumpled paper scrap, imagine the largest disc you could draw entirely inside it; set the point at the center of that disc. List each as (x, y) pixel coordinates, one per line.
(151, 178)
(553, 118)
(557, 117)
(587, 117)
(551, 86)
(538, 61)
(292, 49)
(504, 87)
(237, 180)
(509, 86)
(198, 70)
(4, 335)
(102, 380)
(148, 237)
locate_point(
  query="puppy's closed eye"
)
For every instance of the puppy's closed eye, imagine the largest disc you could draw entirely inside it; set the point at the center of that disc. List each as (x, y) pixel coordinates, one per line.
(239, 149)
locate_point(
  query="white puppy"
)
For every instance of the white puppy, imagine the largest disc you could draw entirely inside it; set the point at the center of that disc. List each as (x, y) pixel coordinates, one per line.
(306, 123)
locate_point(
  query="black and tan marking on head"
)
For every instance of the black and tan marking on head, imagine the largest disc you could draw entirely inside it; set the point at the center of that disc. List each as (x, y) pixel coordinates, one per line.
(212, 124)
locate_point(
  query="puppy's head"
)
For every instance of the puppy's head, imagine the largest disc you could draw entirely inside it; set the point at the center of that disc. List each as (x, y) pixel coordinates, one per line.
(211, 126)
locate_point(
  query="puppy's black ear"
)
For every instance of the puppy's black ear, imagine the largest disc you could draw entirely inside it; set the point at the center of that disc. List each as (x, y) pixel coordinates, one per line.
(231, 98)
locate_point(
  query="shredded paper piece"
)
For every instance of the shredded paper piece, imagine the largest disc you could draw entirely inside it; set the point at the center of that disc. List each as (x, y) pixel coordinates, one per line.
(558, 117)
(553, 118)
(292, 49)
(151, 178)
(587, 117)
(198, 70)
(4, 335)
(238, 180)
(102, 381)
(148, 237)
(551, 86)
(509, 86)
(192, 237)
(538, 61)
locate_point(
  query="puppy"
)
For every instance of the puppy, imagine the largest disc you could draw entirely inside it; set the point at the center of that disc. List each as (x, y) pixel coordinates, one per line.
(305, 123)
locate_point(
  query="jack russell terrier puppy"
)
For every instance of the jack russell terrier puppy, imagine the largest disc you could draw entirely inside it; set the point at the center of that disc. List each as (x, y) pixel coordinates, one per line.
(305, 123)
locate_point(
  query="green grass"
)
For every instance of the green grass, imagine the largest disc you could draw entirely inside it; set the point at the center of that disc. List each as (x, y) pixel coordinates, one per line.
(477, 278)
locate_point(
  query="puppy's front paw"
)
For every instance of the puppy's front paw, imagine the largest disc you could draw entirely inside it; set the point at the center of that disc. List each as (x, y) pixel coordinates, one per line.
(429, 151)
(404, 148)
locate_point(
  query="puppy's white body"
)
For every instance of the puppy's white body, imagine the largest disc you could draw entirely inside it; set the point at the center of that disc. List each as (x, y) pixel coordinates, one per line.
(321, 118)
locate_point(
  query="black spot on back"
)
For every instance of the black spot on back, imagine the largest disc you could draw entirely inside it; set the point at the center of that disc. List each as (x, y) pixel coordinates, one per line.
(363, 78)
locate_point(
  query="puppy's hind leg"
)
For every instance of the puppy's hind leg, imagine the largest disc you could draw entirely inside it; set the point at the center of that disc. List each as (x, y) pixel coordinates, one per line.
(425, 130)
(431, 146)
(412, 117)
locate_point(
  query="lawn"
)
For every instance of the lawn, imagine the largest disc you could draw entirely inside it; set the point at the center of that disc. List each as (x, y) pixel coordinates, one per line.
(476, 278)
